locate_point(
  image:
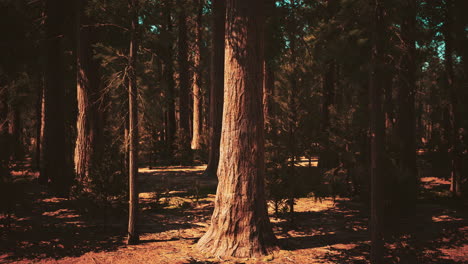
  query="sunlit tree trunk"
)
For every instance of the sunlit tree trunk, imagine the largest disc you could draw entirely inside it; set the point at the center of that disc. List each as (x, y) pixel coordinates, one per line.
(240, 225)
(88, 122)
(216, 85)
(133, 236)
(197, 94)
(184, 92)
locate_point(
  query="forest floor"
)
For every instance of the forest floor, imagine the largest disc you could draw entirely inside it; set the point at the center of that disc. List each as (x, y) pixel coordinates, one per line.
(177, 203)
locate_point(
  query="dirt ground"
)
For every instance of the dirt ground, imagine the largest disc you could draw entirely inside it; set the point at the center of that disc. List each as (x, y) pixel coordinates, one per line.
(45, 229)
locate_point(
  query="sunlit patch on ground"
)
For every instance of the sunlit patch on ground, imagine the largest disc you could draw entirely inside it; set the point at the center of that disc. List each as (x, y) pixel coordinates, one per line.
(176, 205)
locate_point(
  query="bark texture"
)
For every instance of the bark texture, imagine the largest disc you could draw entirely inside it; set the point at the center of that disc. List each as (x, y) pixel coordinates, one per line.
(88, 122)
(197, 81)
(216, 85)
(240, 225)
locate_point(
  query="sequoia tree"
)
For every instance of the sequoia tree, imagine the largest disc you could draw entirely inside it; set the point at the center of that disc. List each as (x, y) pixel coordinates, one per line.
(240, 226)
(88, 122)
(216, 85)
(56, 168)
(197, 95)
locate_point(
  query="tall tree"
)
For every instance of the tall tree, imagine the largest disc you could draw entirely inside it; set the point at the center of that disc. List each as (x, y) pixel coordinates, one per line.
(377, 128)
(133, 236)
(453, 106)
(197, 81)
(56, 168)
(240, 225)
(184, 91)
(406, 111)
(4, 143)
(216, 85)
(88, 122)
(168, 80)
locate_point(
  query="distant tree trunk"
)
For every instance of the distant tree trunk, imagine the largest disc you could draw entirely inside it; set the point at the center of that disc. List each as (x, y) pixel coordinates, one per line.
(168, 82)
(88, 82)
(56, 167)
(328, 94)
(240, 226)
(406, 113)
(4, 142)
(39, 130)
(184, 93)
(133, 236)
(454, 122)
(197, 94)
(377, 127)
(292, 105)
(216, 85)
(17, 151)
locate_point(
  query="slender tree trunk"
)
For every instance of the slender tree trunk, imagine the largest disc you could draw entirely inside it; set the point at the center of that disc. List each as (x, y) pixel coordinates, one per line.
(133, 236)
(88, 134)
(184, 93)
(17, 151)
(406, 113)
(328, 94)
(197, 94)
(377, 127)
(4, 142)
(240, 226)
(56, 166)
(39, 134)
(216, 85)
(454, 122)
(168, 81)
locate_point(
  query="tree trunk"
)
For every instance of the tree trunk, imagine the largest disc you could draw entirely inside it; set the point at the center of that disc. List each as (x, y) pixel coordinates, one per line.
(216, 85)
(377, 127)
(406, 113)
(184, 93)
(88, 122)
(454, 122)
(133, 236)
(197, 95)
(56, 167)
(168, 81)
(240, 226)
(4, 143)
(39, 130)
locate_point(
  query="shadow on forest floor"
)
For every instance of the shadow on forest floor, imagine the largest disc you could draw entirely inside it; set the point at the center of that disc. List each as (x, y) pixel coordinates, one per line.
(177, 203)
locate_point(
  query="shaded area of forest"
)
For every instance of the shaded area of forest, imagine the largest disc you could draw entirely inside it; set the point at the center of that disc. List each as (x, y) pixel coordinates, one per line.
(177, 203)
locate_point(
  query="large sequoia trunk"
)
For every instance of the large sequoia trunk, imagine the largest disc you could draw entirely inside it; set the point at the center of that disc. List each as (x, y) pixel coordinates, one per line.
(216, 85)
(240, 225)
(197, 95)
(88, 121)
(56, 168)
